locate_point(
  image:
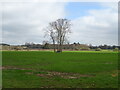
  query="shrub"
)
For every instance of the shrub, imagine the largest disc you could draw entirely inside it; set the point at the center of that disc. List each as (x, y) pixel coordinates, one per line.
(98, 49)
(76, 49)
(116, 49)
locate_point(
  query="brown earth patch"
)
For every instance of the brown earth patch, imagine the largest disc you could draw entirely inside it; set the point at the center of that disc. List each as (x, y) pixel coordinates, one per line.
(114, 75)
(48, 74)
(12, 67)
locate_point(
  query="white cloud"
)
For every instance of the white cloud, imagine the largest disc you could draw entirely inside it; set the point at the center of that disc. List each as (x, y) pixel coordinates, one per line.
(0, 22)
(99, 27)
(24, 22)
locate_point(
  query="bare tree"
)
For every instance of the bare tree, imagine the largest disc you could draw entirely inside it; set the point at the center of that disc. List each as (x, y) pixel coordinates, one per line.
(58, 31)
(52, 34)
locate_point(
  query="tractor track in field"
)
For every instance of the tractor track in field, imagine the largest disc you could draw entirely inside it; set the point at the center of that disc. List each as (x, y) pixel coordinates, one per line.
(49, 74)
(64, 75)
(12, 67)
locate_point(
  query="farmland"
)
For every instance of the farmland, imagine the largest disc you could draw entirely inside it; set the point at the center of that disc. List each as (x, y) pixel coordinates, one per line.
(45, 69)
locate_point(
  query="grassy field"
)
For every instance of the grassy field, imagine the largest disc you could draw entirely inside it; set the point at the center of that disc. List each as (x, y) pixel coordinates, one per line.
(45, 69)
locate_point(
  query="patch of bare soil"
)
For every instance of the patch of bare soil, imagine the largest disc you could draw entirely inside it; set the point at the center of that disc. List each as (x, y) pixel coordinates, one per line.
(69, 75)
(115, 73)
(1, 68)
(50, 74)
(63, 75)
(12, 67)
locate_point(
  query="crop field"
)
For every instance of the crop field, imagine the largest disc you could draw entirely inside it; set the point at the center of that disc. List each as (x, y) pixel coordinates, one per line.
(45, 69)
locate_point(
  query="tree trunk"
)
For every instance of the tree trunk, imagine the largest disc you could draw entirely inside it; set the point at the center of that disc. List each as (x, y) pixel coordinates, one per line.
(54, 46)
(60, 47)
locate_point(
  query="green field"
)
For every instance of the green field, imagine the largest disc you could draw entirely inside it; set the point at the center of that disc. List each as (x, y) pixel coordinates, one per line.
(45, 69)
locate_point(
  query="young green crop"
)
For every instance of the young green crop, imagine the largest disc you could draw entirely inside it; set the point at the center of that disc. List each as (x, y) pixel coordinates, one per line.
(100, 69)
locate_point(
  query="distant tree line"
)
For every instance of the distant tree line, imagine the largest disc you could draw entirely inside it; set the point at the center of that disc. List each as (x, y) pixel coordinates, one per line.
(75, 45)
(104, 47)
(47, 45)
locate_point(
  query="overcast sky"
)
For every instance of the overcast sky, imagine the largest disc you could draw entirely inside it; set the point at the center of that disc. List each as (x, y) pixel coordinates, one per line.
(92, 23)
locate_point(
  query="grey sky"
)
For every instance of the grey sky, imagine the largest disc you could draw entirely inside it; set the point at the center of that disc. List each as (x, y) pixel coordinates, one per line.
(25, 22)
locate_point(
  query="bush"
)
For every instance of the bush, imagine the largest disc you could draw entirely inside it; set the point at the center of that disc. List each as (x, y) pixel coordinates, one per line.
(98, 49)
(116, 49)
(76, 49)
